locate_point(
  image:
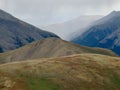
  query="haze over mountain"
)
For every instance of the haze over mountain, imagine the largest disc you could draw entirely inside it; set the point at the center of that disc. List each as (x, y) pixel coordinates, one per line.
(49, 48)
(76, 72)
(71, 26)
(104, 33)
(15, 33)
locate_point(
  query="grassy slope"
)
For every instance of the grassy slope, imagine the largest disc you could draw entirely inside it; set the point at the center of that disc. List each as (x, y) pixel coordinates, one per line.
(77, 72)
(50, 47)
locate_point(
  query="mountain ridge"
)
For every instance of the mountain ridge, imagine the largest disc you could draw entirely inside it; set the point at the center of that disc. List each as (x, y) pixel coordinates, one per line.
(15, 33)
(99, 31)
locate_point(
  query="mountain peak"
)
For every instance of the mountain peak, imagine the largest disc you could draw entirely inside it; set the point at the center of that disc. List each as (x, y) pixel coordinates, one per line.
(103, 33)
(5, 15)
(115, 13)
(15, 33)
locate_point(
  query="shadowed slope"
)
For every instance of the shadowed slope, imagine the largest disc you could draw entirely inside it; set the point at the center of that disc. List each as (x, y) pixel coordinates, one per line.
(103, 33)
(15, 33)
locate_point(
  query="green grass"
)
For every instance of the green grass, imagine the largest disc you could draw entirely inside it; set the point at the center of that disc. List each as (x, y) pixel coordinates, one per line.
(114, 79)
(39, 84)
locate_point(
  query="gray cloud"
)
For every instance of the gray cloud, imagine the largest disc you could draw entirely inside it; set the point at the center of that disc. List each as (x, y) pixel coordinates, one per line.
(45, 12)
(50, 11)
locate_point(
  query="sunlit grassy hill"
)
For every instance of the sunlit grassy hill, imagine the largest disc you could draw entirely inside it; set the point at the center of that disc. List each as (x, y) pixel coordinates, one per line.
(76, 72)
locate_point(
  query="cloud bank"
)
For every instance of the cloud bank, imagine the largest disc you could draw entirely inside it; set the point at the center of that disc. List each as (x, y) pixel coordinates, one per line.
(44, 12)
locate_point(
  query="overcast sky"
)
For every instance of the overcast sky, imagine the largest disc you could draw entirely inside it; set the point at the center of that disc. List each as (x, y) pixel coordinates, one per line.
(45, 12)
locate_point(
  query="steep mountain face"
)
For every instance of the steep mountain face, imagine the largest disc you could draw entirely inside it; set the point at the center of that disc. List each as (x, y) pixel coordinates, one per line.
(49, 48)
(15, 33)
(72, 26)
(112, 42)
(103, 29)
(76, 72)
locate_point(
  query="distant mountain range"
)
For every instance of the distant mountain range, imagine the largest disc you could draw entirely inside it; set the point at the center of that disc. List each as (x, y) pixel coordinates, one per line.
(103, 33)
(49, 48)
(70, 27)
(15, 33)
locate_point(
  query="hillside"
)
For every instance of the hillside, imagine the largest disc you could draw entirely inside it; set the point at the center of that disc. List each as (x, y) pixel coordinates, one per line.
(100, 31)
(47, 48)
(76, 72)
(15, 33)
